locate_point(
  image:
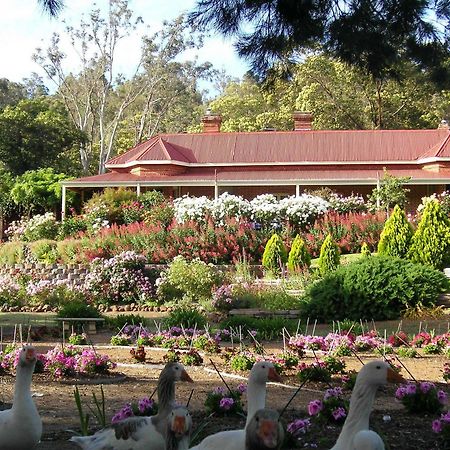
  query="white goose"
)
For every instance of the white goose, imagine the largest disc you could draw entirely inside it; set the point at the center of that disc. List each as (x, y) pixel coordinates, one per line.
(21, 426)
(179, 427)
(355, 434)
(140, 433)
(261, 372)
(264, 432)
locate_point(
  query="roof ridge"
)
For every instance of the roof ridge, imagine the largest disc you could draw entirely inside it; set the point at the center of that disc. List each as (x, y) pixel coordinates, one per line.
(443, 145)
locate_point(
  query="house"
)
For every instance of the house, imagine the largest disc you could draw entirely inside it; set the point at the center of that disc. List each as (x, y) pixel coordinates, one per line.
(278, 162)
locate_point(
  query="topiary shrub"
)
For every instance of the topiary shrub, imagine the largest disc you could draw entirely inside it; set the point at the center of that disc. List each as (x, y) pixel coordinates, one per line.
(376, 288)
(396, 236)
(365, 250)
(299, 257)
(274, 255)
(430, 243)
(329, 256)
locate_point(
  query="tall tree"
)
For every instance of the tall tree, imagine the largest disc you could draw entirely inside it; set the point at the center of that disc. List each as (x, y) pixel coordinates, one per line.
(36, 133)
(10, 93)
(373, 35)
(52, 7)
(97, 98)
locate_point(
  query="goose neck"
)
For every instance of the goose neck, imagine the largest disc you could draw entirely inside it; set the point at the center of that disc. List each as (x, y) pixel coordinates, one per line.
(172, 443)
(22, 387)
(166, 393)
(256, 398)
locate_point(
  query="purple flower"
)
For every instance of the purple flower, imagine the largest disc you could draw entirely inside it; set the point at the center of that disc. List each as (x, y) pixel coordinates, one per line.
(426, 386)
(400, 392)
(298, 427)
(242, 388)
(339, 413)
(333, 392)
(226, 403)
(410, 388)
(315, 407)
(144, 404)
(437, 426)
(219, 390)
(442, 397)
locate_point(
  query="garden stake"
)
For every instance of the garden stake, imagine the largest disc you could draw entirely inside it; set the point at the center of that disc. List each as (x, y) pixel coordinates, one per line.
(154, 392)
(292, 398)
(318, 362)
(409, 373)
(384, 344)
(120, 331)
(221, 377)
(28, 334)
(1, 339)
(298, 327)
(307, 324)
(14, 337)
(284, 341)
(157, 325)
(314, 327)
(399, 327)
(362, 326)
(287, 332)
(258, 345)
(62, 336)
(374, 326)
(420, 326)
(189, 399)
(20, 334)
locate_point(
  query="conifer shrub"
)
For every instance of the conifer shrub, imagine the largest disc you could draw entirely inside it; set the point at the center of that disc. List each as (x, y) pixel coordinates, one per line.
(396, 236)
(274, 255)
(378, 288)
(329, 258)
(365, 250)
(430, 243)
(298, 255)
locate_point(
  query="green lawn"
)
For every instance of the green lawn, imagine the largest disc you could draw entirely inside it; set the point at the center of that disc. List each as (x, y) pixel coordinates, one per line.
(26, 318)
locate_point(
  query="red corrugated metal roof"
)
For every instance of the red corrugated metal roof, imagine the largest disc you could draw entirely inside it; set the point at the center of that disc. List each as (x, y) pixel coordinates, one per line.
(294, 146)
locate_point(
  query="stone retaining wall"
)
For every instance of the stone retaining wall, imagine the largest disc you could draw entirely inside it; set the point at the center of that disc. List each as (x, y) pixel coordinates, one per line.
(73, 273)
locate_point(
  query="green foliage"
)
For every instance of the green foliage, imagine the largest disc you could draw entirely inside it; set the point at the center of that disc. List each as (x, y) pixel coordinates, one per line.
(12, 252)
(276, 299)
(37, 133)
(189, 281)
(329, 256)
(275, 255)
(188, 317)
(430, 243)
(407, 352)
(38, 190)
(78, 309)
(44, 251)
(121, 320)
(71, 225)
(365, 250)
(150, 199)
(377, 288)
(242, 362)
(390, 193)
(299, 257)
(396, 236)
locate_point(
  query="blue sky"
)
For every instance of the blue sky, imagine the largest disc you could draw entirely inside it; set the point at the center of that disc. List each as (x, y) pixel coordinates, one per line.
(23, 27)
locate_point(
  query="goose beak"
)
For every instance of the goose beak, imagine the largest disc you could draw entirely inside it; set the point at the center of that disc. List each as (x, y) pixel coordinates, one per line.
(185, 377)
(179, 425)
(30, 355)
(273, 375)
(268, 433)
(394, 377)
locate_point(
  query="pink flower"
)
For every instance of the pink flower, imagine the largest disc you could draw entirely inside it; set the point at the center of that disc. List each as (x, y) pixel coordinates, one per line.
(339, 413)
(315, 407)
(442, 397)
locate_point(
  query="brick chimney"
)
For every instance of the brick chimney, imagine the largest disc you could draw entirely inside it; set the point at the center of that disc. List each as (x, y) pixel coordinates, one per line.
(302, 120)
(211, 122)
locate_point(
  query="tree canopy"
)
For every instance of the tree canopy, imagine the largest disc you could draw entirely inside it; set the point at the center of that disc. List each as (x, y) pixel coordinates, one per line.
(375, 36)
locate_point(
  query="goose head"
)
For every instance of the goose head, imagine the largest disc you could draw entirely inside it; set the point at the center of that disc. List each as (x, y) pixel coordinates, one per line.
(378, 373)
(264, 431)
(264, 371)
(179, 422)
(175, 372)
(27, 356)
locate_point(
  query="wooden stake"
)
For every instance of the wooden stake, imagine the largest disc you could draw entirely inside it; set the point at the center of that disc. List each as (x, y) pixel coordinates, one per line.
(314, 327)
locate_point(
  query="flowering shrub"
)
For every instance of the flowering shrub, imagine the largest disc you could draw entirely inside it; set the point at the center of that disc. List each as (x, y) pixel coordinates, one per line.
(302, 210)
(446, 372)
(332, 408)
(222, 402)
(316, 371)
(296, 430)
(421, 398)
(119, 279)
(144, 407)
(344, 205)
(441, 426)
(223, 299)
(10, 290)
(421, 339)
(229, 206)
(192, 208)
(40, 226)
(398, 339)
(72, 361)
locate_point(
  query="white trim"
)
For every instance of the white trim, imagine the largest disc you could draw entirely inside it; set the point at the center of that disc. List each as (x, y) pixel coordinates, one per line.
(63, 202)
(270, 163)
(212, 183)
(432, 159)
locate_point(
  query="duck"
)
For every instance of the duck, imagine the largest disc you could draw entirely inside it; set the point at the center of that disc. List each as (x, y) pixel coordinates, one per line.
(264, 432)
(355, 434)
(21, 425)
(179, 428)
(261, 373)
(140, 433)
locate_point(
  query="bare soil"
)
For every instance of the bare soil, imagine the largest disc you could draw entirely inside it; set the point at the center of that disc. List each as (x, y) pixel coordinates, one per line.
(57, 407)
